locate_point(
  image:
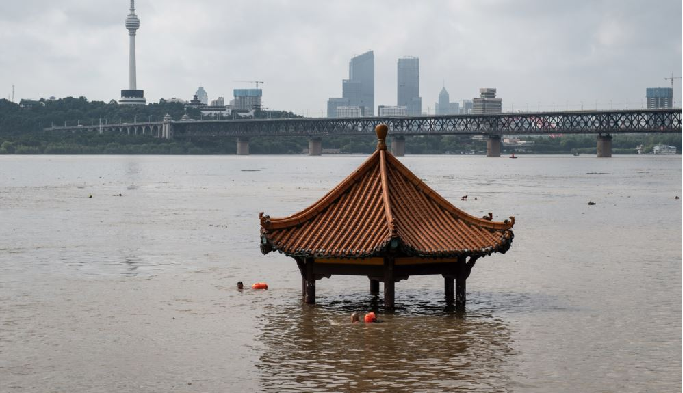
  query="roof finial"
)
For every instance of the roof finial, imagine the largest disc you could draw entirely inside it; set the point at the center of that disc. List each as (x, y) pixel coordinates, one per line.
(381, 130)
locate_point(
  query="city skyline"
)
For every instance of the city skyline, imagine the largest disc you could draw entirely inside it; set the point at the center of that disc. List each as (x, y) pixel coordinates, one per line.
(537, 54)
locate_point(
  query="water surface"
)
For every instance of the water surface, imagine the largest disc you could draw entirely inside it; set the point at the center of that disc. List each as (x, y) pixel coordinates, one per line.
(133, 290)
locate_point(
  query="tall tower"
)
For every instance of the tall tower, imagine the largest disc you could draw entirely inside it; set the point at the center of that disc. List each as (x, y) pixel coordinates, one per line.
(409, 85)
(358, 91)
(132, 96)
(443, 106)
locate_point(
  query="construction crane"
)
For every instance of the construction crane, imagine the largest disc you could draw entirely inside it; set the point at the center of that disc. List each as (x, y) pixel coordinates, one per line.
(672, 87)
(255, 82)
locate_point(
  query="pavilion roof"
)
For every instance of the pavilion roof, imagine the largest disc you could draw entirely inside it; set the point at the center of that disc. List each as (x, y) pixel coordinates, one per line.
(383, 208)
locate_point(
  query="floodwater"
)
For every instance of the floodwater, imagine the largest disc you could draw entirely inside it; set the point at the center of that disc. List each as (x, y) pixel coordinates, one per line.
(133, 290)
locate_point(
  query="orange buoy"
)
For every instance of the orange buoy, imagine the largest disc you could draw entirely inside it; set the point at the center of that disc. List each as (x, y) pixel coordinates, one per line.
(260, 285)
(370, 317)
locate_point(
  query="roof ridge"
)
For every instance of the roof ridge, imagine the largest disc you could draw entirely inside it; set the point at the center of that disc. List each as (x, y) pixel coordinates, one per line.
(391, 220)
(309, 212)
(499, 225)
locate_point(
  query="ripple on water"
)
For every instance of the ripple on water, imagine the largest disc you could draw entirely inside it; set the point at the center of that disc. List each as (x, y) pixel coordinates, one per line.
(421, 348)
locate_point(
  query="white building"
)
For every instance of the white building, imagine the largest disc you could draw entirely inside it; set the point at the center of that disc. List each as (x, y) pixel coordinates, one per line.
(385, 110)
(349, 111)
(664, 149)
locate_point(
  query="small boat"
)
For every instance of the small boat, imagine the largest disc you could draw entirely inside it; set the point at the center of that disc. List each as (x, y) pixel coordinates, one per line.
(513, 155)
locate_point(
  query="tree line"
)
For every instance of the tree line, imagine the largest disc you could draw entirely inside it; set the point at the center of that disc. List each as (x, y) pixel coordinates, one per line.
(22, 132)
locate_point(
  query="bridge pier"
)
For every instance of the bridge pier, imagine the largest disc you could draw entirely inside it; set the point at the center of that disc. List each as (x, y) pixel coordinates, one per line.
(242, 146)
(604, 145)
(398, 145)
(315, 146)
(493, 146)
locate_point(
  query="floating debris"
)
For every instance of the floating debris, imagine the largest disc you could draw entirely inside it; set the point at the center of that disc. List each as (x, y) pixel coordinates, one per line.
(597, 173)
(591, 203)
(251, 170)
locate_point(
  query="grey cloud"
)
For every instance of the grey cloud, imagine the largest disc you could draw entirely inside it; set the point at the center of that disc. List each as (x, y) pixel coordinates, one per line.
(532, 50)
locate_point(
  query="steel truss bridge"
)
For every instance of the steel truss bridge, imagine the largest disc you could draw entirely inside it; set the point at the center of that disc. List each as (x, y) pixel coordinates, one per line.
(541, 123)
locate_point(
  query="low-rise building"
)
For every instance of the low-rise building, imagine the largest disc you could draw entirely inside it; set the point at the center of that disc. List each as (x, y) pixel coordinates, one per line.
(349, 111)
(386, 110)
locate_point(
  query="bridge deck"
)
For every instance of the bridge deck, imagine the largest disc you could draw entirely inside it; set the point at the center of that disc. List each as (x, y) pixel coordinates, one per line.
(541, 123)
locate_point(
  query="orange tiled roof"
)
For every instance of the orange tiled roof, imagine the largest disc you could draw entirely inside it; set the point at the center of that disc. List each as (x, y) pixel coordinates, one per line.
(379, 202)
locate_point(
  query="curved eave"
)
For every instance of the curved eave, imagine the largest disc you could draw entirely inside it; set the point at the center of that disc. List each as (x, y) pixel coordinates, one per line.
(401, 249)
(268, 246)
(502, 247)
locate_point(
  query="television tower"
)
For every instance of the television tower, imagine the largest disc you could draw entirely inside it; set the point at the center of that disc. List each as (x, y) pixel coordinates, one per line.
(132, 96)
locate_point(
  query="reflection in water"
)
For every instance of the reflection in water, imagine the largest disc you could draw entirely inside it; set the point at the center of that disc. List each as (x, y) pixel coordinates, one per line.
(316, 348)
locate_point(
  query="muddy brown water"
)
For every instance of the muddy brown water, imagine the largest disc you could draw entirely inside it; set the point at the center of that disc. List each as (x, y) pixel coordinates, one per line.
(136, 292)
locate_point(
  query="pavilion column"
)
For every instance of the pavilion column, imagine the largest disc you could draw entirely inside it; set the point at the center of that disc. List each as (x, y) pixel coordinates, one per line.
(374, 287)
(242, 146)
(449, 285)
(460, 293)
(493, 146)
(389, 283)
(303, 287)
(605, 145)
(398, 146)
(462, 273)
(310, 281)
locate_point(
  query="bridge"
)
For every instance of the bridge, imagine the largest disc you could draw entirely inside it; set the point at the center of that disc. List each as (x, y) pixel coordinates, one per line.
(604, 124)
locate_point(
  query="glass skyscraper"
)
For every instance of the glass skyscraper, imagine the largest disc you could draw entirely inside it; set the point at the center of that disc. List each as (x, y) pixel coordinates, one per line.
(409, 85)
(359, 89)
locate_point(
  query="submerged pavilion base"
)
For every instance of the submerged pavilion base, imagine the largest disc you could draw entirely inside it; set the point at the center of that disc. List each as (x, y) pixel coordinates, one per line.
(389, 271)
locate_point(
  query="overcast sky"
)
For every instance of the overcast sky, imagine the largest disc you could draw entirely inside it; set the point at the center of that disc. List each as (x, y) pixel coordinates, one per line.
(538, 53)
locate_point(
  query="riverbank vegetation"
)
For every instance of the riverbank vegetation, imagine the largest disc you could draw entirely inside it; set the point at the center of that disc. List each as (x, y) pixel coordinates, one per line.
(21, 132)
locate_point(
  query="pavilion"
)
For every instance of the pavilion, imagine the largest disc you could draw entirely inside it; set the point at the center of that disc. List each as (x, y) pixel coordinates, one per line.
(385, 223)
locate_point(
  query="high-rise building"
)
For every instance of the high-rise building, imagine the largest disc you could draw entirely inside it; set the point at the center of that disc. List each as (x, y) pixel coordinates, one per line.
(220, 101)
(132, 96)
(247, 99)
(409, 85)
(467, 106)
(334, 103)
(659, 97)
(202, 95)
(359, 89)
(487, 102)
(444, 106)
(453, 108)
